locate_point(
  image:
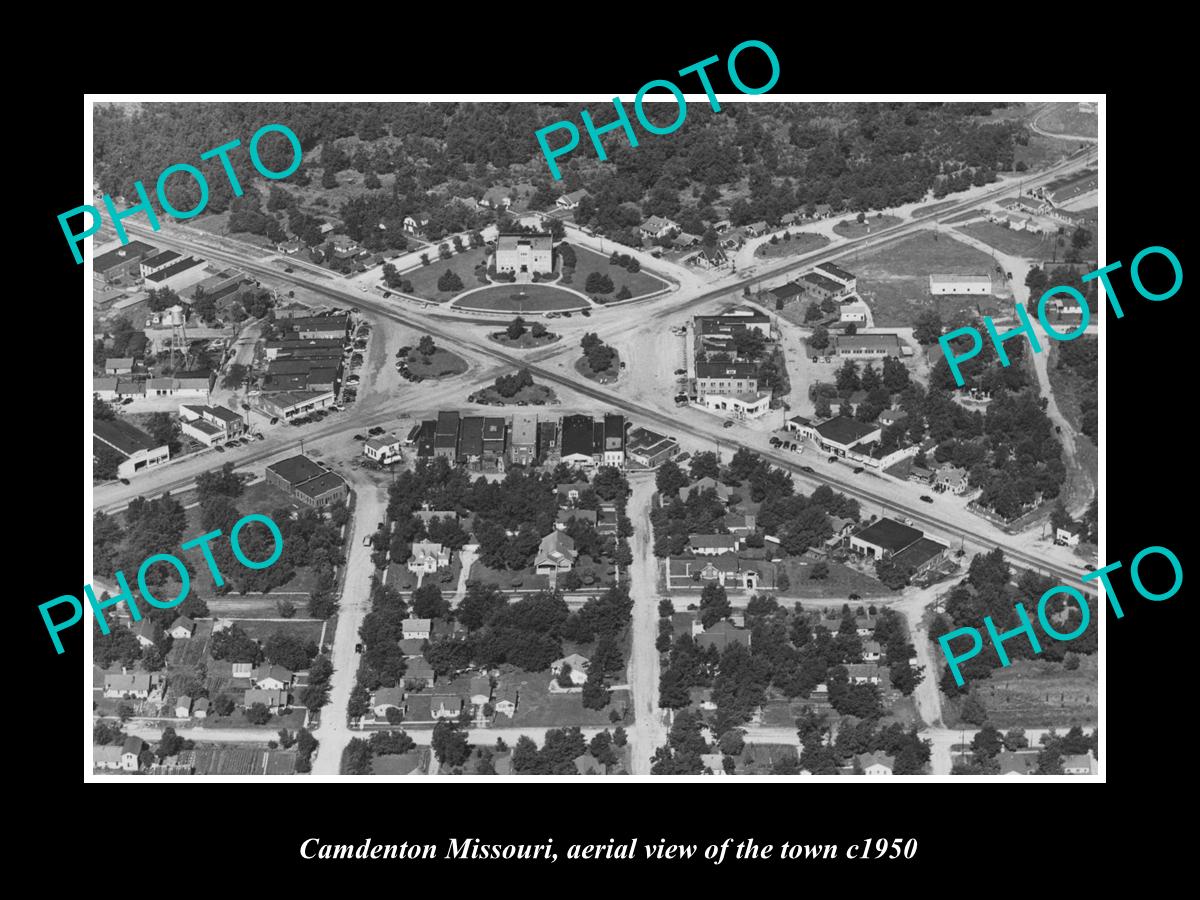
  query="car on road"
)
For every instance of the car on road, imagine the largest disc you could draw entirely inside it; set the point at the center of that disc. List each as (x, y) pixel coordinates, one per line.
(358, 648)
(363, 288)
(833, 459)
(681, 371)
(925, 498)
(245, 406)
(275, 420)
(123, 480)
(1058, 429)
(289, 270)
(219, 448)
(260, 436)
(808, 469)
(858, 469)
(622, 364)
(586, 312)
(360, 437)
(378, 429)
(728, 423)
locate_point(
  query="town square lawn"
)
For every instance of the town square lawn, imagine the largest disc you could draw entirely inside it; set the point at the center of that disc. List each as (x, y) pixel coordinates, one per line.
(522, 298)
(425, 278)
(639, 283)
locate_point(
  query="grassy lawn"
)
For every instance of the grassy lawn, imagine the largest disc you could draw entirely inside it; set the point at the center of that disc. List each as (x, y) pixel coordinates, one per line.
(894, 279)
(440, 364)
(1065, 118)
(522, 299)
(527, 394)
(933, 208)
(604, 376)
(1042, 151)
(291, 720)
(304, 629)
(588, 261)
(526, 578)
(1016, 243)
(538, 707)
(525, 342)
(801, 242)
(401, 763)
(873, 225)
(842, 582)
(1034, 693)
(425, 278)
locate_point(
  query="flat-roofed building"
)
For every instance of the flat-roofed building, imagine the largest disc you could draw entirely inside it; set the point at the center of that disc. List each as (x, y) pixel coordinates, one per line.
(614, 440)
(726, 378)
(124, 260)
(578, 440)
(522, 446)
(525, 253)
(470, 440)
(157, 262)
(549, 442)
(822, 286)
(445, 437)
(867, 346)
(290, 404)
(495, 431)
(942, 285)
(648, 448)
(832, 270)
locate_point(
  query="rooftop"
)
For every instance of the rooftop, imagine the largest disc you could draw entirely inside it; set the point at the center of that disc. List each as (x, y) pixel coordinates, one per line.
(296, 469)
(122, 436)
(845, 430)
(889, 534)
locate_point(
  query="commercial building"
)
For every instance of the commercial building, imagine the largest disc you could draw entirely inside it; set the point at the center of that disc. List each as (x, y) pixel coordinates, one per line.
(726, 378)
(578, 441)
(470, 441)
(138, 451)
(306, 481)
(523, 450)
(384, 449)
(821, 286)
(445, 435)
(495, 432)
(525, 253)
(648, 448)
(331, 348)
(839, 434)
(614, 440)
(852, 310)
(846, 279)
(290, 404)
(944, 285)
(210, 425)
(867, 346)
(157, 262)
(124, 260)
(906, 546)
(178, 276)
(316, 327)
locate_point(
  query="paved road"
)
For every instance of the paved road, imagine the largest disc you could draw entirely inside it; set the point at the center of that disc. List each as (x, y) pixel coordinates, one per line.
(648, 730)
(334, 733)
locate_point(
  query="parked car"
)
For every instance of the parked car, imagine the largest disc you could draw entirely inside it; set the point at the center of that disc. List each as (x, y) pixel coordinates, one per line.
(586, 312)
(926, 498)
(808, 469)
(260, 436)
(858, 469)
(681, 371)
(376, 430)
(275, 420)
(833, 459)
(126, 401)
(219, 448)
(775, 442)
(358, 648)
(245, 406)
(622, 364)
(728, 423)
(123, 480)
(289, 270)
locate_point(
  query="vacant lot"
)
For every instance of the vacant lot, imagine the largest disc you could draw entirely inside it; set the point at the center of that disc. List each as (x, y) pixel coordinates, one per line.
(894, 279)
(439, 364)
(842, 581)
(525, 298)
(1016, 243)
(1066, 118)
(801, 242)
(425, 278)
(303, 629)
(872, 225)
(639, 283)
(1039, 693)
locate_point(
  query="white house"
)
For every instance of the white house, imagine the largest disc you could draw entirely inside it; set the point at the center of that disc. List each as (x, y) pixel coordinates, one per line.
(383, 449)
(657, 227)
(182, 628)
(571, 200)
(876, 765)
(272, 678)
(183, 707)
(577, 669)
(242, 669)
(428, 557)
(415, 629)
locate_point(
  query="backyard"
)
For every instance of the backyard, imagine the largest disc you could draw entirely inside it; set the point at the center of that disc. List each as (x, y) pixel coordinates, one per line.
(537, 706)
(841, 582)
(425, 278)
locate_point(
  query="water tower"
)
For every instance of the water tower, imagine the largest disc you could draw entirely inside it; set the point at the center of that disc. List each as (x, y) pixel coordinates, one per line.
(178, 331)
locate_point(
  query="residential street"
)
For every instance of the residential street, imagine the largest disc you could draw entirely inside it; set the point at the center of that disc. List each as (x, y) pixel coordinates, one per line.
(334, 733)
(648, 730)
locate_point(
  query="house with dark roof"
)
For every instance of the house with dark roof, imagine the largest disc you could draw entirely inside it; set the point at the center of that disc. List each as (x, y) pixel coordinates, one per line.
(578, 440)
(706, 483)
(182, 628)
(272, 699)
(571, 200)
(1017, 764)
(122, 261)
(713, 544)
(721, 635)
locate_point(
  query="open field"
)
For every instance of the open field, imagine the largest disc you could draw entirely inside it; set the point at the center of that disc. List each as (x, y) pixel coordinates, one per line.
(801, 242)
(841, 583)
(933, 208)
(524, 298)
(1039, 693)
(894, 279)
(304, 630)
(1014, 243)
(439, 364)
(1066, 118)
(425, 278)
(873, 225)
(588, 261)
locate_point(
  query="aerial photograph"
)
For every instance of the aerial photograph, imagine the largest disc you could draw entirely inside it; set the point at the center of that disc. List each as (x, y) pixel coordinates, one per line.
(660, 468)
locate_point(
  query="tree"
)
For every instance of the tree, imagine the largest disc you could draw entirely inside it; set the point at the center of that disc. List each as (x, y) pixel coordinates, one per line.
(987, 742)
(598, 283)
(426, 346)
(428, 602)
(258, 714)
(819, 571)
(449, 282)
(449, 743)
(1014, 739)
(516, 328)
(973, 712)
(619, 737)
(714, 605)
(819, 339)
(223, 705)
(928, 327)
